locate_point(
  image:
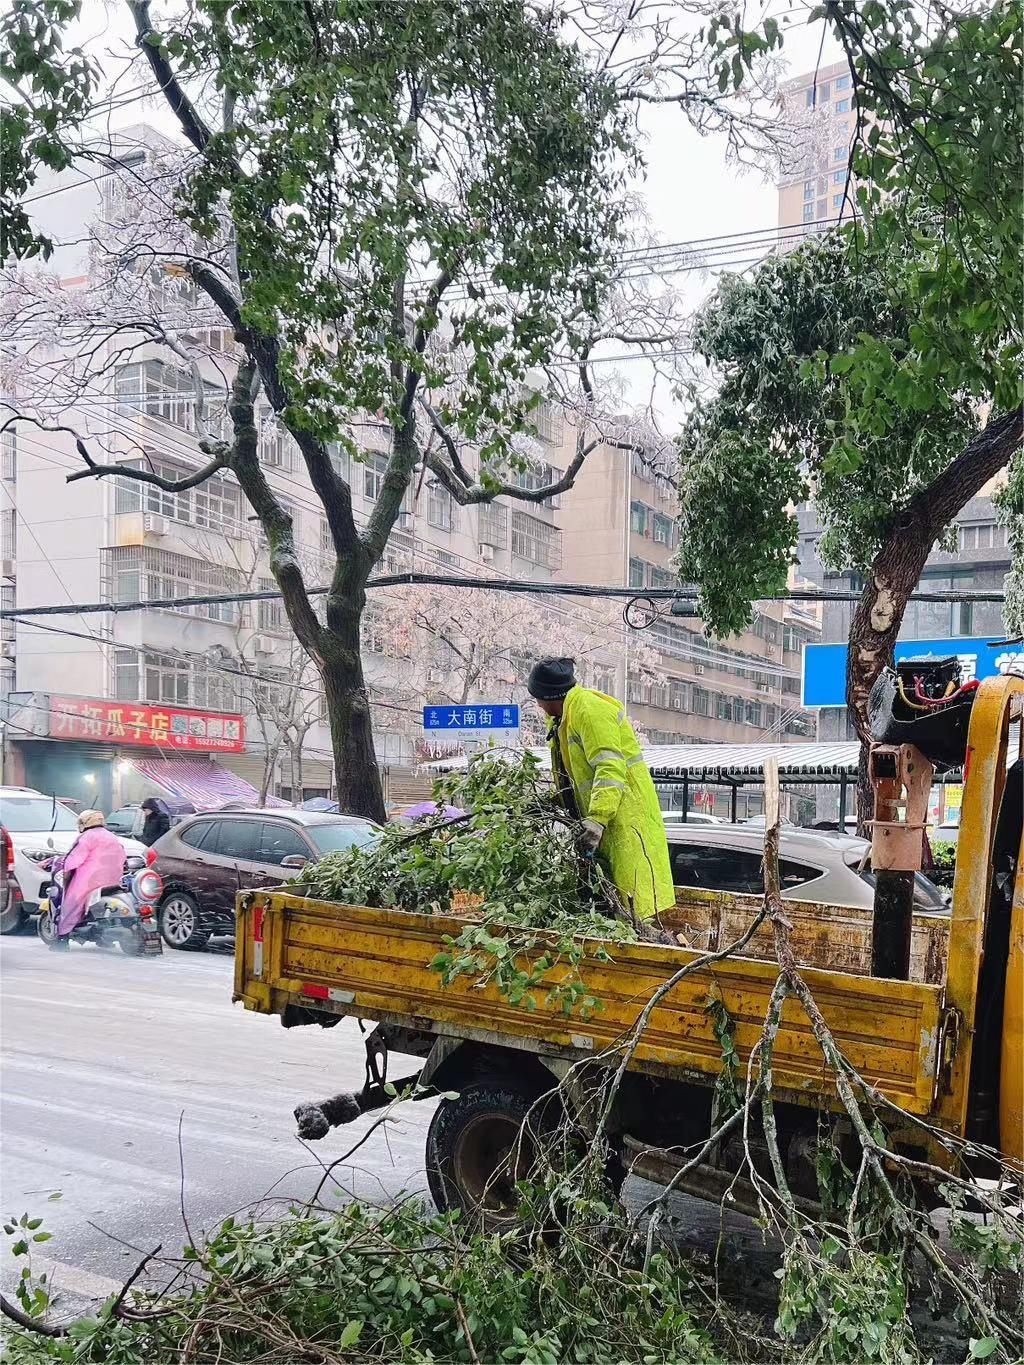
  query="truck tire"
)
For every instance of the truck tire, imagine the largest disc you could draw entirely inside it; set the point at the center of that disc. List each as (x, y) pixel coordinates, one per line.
(472, 1137)
(180, 922)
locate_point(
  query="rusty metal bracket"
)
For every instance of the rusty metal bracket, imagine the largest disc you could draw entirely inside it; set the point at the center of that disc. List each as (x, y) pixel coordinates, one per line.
(900, 775)
(948, 1043)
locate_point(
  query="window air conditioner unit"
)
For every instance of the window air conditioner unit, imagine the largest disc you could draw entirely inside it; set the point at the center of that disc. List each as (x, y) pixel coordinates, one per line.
(404, 521)
(436, 675)
(486, 552)
(7, 568)
(153, 524)
(699, 669)
(263, 644)
(7, 649)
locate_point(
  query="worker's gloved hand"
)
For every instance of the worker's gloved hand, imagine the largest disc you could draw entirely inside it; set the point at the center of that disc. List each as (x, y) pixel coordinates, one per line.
(591, 835)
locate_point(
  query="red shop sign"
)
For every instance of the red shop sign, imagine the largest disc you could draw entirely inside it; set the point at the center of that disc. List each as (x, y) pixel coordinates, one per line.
(155, 727)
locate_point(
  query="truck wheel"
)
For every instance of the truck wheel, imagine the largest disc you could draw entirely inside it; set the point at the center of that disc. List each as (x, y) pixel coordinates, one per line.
(180, 922)
(472, 1158)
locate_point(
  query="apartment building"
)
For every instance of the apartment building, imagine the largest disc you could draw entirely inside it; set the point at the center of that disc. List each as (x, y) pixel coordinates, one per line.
(818, 107)
(619, 528)
(86, 694)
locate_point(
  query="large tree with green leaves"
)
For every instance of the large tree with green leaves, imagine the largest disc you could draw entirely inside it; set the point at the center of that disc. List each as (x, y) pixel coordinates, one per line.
(876, 370)
(405, 212)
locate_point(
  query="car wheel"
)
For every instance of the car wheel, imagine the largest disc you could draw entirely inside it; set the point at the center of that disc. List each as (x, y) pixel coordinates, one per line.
(12, 918)
(180, 922)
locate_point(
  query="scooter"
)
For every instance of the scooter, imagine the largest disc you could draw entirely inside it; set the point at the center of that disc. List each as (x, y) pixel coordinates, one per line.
(124, 915)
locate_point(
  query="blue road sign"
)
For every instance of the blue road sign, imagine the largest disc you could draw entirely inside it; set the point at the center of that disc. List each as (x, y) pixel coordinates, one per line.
(824, 682)
(484, 715)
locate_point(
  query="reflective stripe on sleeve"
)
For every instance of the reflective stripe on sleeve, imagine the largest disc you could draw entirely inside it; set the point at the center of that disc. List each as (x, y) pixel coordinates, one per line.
(602, 754)
(637, 758)
(609, 782)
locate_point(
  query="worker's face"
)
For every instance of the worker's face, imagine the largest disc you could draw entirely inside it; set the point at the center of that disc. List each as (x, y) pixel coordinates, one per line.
(551, 708)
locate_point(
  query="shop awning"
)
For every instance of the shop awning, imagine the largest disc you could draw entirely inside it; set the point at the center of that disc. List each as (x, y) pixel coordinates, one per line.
(201, 782)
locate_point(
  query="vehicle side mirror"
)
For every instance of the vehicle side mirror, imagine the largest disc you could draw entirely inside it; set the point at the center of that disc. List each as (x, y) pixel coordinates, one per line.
(133, 862)
(295, 860)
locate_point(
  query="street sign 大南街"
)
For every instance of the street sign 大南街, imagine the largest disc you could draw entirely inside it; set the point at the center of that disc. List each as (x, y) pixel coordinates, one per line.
(479, 716)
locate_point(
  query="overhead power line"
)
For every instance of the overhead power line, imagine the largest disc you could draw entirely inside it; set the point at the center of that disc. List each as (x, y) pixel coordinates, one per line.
(397, 580)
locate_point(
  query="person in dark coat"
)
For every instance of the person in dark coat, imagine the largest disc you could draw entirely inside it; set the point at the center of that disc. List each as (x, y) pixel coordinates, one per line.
(157, 821)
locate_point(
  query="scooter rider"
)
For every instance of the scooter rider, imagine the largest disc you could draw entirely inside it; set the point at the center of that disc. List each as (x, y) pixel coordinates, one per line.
(96, 860)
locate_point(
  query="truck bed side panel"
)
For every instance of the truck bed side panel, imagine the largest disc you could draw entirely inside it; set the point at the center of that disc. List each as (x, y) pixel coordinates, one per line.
(375, 964)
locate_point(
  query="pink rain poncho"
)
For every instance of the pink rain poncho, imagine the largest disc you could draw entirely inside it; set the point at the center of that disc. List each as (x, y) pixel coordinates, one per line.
(97, 860)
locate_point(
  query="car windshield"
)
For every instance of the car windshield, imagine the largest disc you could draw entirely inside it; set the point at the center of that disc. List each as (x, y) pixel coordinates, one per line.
(330, 838)
(35, 815)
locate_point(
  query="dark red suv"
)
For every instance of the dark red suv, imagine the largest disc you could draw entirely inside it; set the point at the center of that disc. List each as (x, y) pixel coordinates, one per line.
(207, 859)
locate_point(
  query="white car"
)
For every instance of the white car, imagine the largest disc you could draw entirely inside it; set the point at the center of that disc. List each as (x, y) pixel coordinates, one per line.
(39, 827)
(813, 865)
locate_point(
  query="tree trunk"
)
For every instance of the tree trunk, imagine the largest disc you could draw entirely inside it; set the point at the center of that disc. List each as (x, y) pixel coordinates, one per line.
(897, 569)
(269, 764)
(348, 708)
(300, 780)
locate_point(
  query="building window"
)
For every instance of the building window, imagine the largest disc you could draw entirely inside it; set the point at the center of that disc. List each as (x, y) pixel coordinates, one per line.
(677, 694)
(637, 573)
(215, 504)
(752, 713)
(663, 578)
(838, 177)
(840, 153)
(374, 468)
(837, 201)
(701, 701)
(276, 447)
(538, 474)
(139, 573)
(548, 421)
(602, 679)
(988, 535)
(341, 461)
(808, 213)
(493, 526)
(440, 508)
(724, 707)
(842, 82)
(270, 615)
(162, 390)
(8, 533)
(639, 517)
(822, 210)
(664, 530)
(9, 455)
(842, 106)
(808, 189)
(536, 541)
(372, 632)
(7, 603)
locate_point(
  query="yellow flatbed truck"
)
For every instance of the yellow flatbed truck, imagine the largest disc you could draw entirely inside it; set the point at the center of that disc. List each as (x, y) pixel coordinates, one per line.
(946, 1048)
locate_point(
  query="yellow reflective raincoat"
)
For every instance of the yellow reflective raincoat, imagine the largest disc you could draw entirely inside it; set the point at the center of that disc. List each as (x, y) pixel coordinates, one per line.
(598, 753)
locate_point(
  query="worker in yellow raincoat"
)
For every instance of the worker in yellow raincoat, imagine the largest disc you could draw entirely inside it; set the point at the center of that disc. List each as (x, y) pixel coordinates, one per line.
(604, 780)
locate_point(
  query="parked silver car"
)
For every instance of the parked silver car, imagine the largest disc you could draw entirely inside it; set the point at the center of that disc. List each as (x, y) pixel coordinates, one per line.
(813, 865)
